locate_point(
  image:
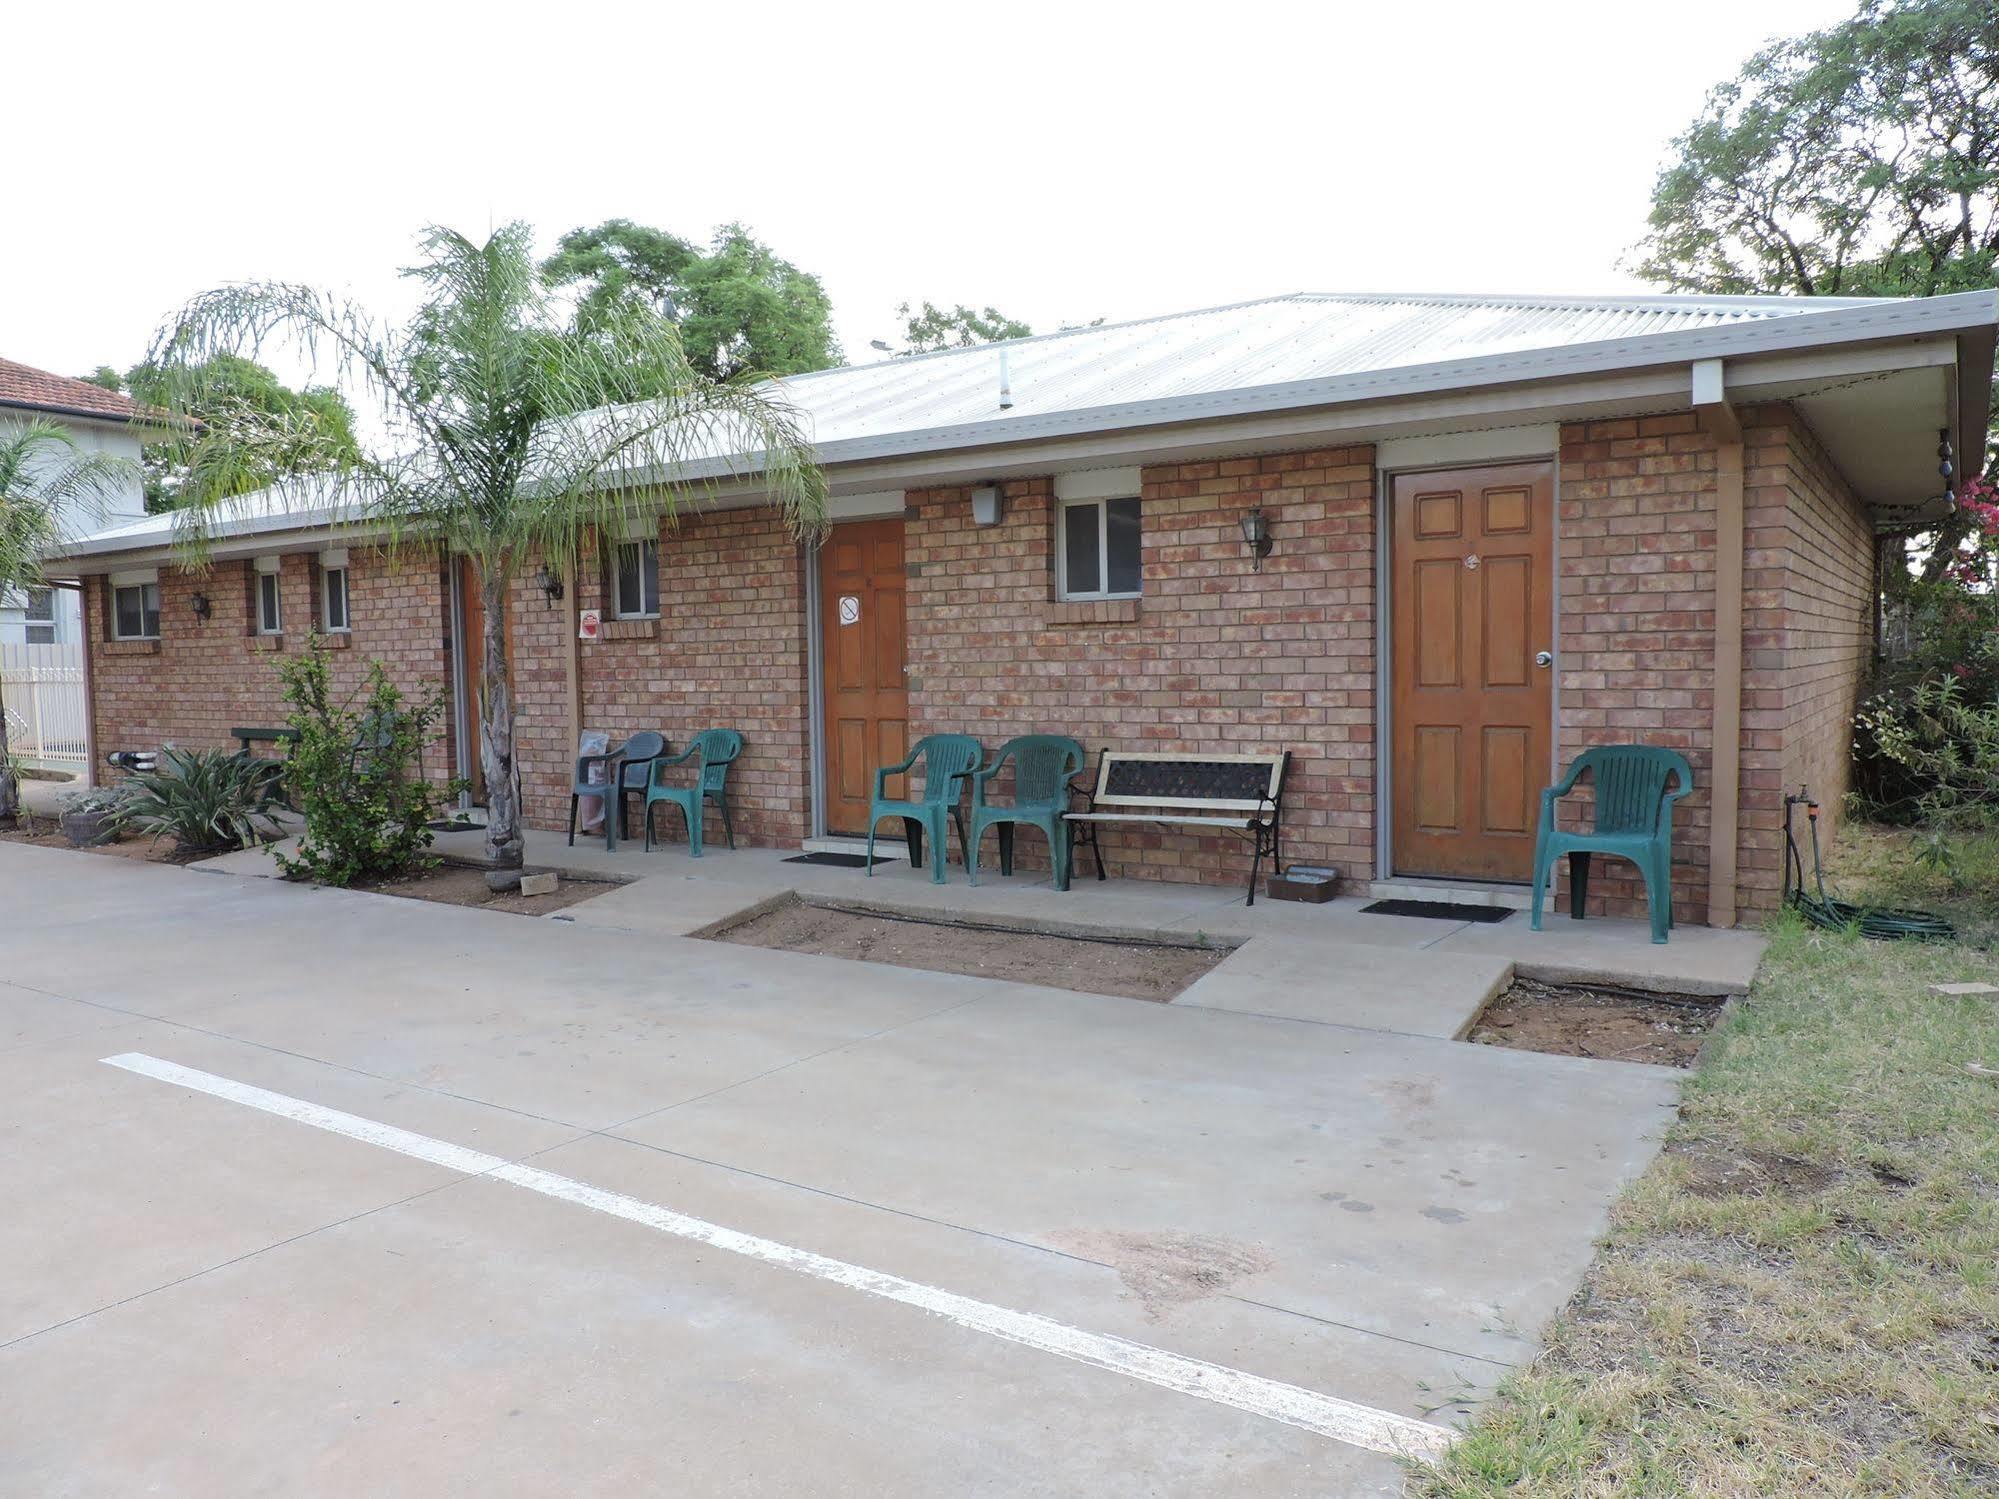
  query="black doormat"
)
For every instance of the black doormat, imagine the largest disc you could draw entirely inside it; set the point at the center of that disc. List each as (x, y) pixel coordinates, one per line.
(838, 861)
(1441, 910)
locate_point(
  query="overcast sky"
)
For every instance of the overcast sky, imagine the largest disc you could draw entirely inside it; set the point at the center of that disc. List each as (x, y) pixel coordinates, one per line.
(1061, 162)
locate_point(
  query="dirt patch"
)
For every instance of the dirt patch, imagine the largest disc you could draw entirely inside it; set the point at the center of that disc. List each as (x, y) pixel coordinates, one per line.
(465, 885)
(147, 850)
(1165, 1270)
(1713, 1171)
(1135, 970)
(1603, 1021)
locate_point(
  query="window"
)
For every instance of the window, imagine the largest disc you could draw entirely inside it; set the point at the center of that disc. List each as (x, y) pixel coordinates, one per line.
(635, 580)
(270, 606)
(135, 612)
(1099, 555)
(333, 589)
(40, 614)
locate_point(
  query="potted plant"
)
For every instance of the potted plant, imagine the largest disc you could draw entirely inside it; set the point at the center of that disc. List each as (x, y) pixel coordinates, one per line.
(88, 818)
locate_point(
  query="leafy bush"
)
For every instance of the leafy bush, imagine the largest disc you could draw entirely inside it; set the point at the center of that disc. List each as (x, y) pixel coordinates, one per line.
(1944, 735)
(356, 773)
(205, 800)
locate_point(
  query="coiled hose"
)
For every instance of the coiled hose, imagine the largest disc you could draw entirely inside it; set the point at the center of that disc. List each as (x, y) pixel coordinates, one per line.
(1821, 910)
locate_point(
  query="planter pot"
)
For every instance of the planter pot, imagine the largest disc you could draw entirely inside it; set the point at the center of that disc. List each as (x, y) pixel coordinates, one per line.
(87, 829)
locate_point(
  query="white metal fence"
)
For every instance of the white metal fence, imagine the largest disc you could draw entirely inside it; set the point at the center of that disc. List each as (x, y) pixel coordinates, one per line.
(42, 689)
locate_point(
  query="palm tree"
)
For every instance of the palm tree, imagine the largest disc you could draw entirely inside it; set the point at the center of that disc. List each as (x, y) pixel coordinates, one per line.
(505, 433)
(46, 483)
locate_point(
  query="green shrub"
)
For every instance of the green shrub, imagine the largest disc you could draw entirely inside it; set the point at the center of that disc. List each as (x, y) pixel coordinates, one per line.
(1944, 735)
(205, 800)
(356, 774)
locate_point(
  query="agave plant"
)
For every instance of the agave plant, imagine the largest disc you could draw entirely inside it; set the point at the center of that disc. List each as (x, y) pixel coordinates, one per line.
(205, 800)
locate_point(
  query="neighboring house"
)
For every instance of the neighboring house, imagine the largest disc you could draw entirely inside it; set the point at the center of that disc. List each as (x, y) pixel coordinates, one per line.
(1502, 529)
(97, 419)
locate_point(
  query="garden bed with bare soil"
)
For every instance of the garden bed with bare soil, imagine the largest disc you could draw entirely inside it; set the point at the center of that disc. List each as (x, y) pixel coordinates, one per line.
(454, 884)
(1092, 965)
(1598, 1020)
(45, 834)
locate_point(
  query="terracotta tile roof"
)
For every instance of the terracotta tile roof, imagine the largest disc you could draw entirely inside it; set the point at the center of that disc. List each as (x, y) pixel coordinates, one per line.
(38, 390)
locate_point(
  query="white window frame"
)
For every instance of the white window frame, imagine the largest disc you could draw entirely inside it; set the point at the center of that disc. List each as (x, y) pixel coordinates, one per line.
(327, 573)
(33, 619)
(1102, 505)
(618, 600)
(274, 622)
(140, 587)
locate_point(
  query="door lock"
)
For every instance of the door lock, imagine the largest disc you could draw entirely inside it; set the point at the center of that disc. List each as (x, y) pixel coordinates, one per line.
(1544, 658)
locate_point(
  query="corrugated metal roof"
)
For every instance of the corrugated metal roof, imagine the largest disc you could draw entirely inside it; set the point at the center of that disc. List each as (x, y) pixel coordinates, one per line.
(1306, 336)
(1243, 347)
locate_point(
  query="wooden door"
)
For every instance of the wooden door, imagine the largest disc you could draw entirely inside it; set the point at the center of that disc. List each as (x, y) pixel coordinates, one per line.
(1471, 574)
(864, 645)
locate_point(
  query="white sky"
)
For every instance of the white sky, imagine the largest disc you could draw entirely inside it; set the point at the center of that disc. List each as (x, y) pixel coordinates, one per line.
(1061, 162)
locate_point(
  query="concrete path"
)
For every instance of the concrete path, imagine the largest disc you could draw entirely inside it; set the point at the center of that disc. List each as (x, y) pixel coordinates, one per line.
(214, 1289)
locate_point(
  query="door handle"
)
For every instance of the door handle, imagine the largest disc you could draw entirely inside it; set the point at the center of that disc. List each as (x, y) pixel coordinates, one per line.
(1544, 658)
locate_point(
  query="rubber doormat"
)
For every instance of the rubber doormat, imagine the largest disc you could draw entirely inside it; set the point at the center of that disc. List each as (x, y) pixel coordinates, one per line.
(838, 861)
(1439, 910)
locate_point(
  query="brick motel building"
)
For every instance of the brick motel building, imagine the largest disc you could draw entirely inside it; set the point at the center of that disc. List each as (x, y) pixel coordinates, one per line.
(1501, 530)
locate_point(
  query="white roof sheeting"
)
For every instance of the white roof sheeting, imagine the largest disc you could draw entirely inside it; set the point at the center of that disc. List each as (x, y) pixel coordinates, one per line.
(1274, 355)
(1308, 336)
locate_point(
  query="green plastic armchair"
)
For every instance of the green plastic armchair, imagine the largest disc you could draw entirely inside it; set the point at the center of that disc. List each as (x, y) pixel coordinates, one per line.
(717, 749)
(947, 760)
(1042, 766)
(1633, 820)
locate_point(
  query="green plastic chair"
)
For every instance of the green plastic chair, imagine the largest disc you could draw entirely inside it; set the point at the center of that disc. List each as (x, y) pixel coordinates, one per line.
(718, 749)
(1042, 766)
(947, 760)
(1634, 820)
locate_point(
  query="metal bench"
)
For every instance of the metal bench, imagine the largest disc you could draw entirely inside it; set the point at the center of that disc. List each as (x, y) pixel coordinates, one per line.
(1241, 793)
(247, 737)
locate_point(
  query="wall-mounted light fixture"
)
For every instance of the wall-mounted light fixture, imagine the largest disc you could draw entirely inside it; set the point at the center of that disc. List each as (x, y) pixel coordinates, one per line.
(986, 507)
(1256, 536)
(202, 607)
(549, 584)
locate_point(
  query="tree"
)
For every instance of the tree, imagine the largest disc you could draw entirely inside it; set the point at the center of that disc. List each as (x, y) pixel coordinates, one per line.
(510, 434)
(107, 377)
(741, 310)
(933, 328)
(315, 415)
(1862, 160)
(45, 481)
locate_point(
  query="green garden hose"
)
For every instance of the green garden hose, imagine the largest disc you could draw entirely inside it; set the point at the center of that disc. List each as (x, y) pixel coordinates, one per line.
(1822, 910)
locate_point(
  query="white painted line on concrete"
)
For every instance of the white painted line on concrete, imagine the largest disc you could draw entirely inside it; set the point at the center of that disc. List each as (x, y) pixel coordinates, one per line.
(1342, 1420)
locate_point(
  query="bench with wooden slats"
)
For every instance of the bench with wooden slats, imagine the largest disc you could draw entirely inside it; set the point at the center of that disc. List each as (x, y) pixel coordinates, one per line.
(1239, 793)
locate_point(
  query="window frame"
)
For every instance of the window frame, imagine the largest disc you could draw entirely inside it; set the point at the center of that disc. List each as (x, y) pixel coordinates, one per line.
(117, 624)
(275, 624)
(1102, 592)
(618, 609)
(346, 625)
(45, 619)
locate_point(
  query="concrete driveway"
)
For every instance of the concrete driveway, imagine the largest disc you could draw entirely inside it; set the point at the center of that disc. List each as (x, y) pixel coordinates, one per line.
(389, 1198)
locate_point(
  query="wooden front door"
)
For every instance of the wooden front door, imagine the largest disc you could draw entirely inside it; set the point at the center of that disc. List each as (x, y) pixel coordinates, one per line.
(865, 651)
(1472, 575)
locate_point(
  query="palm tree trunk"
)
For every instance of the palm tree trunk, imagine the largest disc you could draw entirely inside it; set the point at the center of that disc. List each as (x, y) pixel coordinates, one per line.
(10, 787)
(496, 738)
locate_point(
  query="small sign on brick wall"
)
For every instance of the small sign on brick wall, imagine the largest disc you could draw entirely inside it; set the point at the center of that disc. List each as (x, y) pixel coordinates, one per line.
(589, 624)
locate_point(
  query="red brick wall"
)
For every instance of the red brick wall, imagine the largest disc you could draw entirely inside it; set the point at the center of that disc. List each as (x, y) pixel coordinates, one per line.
(200, 680)
(729, 651)
(1808, 637)
(1214, 657)
(1636, 629)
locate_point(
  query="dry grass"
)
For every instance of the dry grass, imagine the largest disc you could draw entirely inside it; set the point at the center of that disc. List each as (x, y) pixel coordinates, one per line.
(1802, 1295)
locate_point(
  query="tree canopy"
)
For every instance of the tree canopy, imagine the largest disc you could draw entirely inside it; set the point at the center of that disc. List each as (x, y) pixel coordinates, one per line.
(1861, 160)
(931, 328)
(499, 428)
(740, 308)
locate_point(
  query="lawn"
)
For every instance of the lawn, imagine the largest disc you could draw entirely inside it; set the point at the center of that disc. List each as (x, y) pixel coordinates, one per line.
(1802, 1295)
